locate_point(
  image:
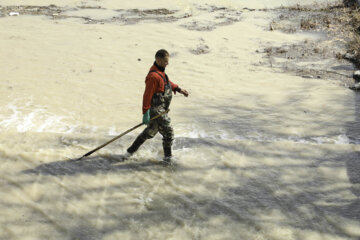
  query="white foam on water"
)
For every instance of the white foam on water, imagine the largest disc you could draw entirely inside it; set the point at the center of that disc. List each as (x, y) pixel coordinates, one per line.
(36, 119)
(194, 133)
(113, 132)
(340, 139)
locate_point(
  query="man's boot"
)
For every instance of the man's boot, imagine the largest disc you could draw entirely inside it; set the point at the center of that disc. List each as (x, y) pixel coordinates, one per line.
(167, 154)
(135, 146)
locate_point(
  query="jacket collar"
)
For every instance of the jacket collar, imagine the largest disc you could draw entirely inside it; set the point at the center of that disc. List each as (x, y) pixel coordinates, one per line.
(161, 69)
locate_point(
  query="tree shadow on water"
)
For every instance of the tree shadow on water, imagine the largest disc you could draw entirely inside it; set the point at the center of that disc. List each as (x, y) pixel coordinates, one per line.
(91, 165)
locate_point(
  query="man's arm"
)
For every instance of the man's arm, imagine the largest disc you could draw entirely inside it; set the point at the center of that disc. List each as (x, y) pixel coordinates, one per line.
(176, 88)
(149, 92)
(184, 92)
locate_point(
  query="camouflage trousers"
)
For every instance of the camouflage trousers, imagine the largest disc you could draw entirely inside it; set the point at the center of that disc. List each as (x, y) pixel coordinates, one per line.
(161, 125)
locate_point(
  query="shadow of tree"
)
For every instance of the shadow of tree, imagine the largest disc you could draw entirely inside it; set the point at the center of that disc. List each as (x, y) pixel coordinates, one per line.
(352, 210)
(242, 203)
(255, 193)
(92, 165)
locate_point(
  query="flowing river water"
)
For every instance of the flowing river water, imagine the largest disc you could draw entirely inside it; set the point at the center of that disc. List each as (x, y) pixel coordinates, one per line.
(260, 154)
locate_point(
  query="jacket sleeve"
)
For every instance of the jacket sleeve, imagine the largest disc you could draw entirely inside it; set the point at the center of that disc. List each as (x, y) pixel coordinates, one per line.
(150, 88)
(173, 85)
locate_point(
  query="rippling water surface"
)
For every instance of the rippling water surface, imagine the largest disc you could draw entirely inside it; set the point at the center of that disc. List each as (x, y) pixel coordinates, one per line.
(259, 154)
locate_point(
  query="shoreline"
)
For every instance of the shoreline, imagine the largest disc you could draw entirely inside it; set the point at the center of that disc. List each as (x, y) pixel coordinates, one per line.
(333, 29)
(331, 54)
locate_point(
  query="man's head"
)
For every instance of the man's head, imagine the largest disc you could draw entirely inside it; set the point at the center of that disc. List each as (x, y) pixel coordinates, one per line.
(162, 58)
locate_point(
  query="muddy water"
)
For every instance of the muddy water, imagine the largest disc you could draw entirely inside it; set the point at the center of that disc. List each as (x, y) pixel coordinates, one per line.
(259, 154)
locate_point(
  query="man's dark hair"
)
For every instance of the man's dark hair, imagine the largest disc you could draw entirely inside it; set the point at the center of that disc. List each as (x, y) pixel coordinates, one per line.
(161, 53)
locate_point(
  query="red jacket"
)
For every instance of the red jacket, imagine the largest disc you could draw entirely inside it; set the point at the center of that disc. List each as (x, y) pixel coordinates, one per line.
(154, 84)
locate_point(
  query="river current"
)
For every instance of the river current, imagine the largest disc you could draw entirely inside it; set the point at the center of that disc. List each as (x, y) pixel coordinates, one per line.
(259, 154)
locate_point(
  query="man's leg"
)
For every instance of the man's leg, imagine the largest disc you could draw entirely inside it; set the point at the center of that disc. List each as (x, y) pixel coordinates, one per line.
(136, 144)
(167, 132)
(149, 132)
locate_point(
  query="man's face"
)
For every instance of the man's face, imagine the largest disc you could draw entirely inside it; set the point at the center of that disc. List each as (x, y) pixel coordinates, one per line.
(163, 62)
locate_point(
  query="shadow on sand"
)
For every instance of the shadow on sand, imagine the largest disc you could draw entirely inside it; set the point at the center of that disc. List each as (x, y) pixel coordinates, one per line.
(93, 165)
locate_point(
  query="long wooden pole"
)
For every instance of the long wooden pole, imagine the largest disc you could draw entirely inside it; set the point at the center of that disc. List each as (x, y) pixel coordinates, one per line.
(117, 137)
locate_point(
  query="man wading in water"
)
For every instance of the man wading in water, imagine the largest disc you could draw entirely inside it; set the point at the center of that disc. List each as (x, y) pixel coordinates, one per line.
(156, 99)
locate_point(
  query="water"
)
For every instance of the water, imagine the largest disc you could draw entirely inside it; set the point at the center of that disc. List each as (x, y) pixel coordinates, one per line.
(259, 154)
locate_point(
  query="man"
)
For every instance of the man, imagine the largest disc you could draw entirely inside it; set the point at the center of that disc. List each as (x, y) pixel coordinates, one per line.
(156, 99)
